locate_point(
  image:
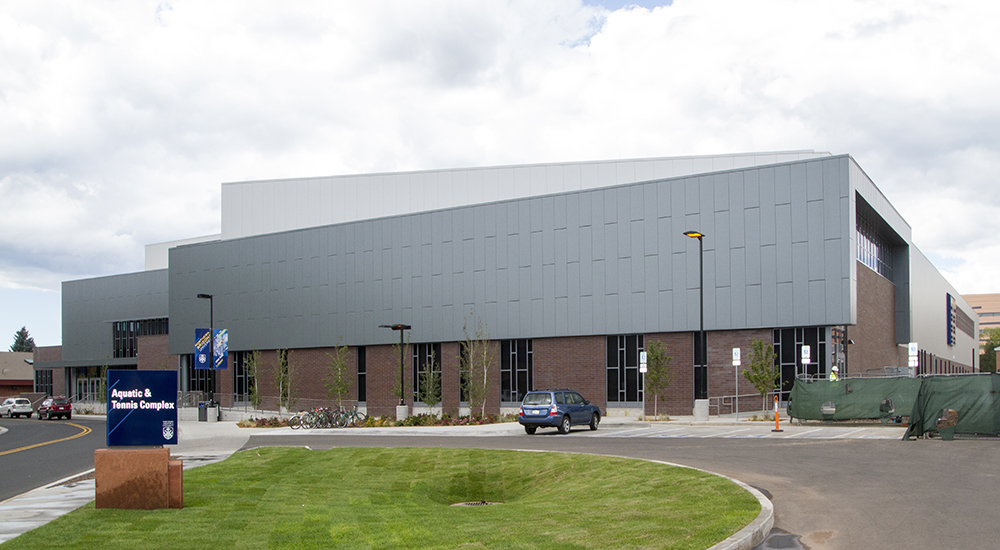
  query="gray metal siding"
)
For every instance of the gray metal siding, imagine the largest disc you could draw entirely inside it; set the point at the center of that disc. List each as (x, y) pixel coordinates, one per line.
(601, 261)
(90, 305)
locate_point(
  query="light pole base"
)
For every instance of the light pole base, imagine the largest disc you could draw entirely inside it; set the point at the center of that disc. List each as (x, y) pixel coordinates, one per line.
(701, 410)
(402, 412)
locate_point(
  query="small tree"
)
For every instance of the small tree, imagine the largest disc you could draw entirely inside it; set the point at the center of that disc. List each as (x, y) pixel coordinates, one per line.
(658, 372)
(763, 373)
(102, 385)
(283, 375)
(338, 378)
(476, 365)
(23, 342)
(251, 364)
(988, 359)
(430, 384)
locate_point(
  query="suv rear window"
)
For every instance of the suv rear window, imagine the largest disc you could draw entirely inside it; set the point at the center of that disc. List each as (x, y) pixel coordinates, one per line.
(62, 401)
(538, 399)
(22, 402)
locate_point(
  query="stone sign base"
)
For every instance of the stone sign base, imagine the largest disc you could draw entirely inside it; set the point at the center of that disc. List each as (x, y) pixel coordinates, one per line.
(138, 479)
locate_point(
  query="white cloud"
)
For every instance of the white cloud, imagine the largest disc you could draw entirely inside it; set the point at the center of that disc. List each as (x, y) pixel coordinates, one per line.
(119, 122)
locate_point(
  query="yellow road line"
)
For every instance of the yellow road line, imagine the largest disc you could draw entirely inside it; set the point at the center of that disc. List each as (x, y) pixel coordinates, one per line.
(84, 431)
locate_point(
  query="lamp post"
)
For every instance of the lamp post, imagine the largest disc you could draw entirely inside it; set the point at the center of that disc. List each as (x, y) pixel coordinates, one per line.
(400, 327)
(701, 372)
(211, 341)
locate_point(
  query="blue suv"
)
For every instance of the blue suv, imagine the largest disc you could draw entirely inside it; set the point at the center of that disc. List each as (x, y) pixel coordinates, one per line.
(557, 409)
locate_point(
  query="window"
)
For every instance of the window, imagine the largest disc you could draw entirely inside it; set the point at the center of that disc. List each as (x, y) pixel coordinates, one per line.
(200, 380)
(125, 334)
(43, 381)
(515, 370)
(788, 344)
(874, 249)
(362, 375)
(426, 366)
(242, 381)
(625, 384)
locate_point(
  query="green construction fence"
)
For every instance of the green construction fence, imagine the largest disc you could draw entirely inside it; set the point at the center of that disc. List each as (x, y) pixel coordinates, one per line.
(946, 404)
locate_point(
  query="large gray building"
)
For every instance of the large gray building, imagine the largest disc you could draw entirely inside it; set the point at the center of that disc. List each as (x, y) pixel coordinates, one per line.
(572, 268)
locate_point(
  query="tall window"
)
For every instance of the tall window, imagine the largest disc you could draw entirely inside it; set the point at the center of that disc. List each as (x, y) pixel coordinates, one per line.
(625, 384)
(874, 249)
(199, 379)
(125, 334)
(515, 370)
(43, 381)
(242, 382)
(426, 363)
(788, 344)
(362, 375)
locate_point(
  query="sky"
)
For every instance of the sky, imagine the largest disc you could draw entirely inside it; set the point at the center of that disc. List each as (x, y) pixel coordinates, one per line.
(119, 121)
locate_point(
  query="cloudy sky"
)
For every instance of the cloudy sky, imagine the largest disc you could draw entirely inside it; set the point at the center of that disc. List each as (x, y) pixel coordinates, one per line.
(120, 120)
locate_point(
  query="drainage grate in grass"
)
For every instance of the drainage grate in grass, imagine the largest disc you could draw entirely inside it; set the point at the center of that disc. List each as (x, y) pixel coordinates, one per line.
(476, 503)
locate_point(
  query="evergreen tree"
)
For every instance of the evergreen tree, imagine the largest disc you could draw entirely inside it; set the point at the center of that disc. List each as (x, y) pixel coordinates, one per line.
(23, 341)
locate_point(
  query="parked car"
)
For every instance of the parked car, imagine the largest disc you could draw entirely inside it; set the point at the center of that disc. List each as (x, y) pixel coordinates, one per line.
(559, 409)
(15, 407)
(54, 407)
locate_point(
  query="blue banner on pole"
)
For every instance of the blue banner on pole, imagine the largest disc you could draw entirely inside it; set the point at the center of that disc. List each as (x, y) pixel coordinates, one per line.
(221, 348)
(142, 407)
(202, 351)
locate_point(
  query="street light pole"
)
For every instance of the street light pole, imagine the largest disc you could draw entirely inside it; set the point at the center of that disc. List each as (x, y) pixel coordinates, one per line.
(700, 390)
(211, 342)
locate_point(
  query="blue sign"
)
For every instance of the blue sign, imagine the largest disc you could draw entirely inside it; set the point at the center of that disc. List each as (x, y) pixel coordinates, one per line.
(142, 407)
(220, 348)
(202, 351)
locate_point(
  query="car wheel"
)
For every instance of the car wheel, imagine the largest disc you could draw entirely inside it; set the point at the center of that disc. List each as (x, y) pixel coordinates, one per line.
(594, 421)
(564, 426)
(69, 417)
(48, 416)
(10, 414)
(530, 430)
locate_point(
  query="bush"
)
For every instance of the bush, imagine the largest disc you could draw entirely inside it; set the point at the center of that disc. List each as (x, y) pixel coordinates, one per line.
(273, 422)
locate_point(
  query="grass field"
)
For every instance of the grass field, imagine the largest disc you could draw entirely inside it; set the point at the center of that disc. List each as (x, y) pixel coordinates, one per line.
(401, 498)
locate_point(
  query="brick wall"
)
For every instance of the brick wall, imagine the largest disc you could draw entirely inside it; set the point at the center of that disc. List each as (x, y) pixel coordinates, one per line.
(875, 334)
(48, 353)
(579, 363)
(152, 353)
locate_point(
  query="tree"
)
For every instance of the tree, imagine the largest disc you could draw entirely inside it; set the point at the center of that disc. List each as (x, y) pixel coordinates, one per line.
(430, 384)
(476, 365)
(658, 372)
(23, 342)
(763, 373)
(988, 359)
(251, 364)
(283, 375)
(338, 378)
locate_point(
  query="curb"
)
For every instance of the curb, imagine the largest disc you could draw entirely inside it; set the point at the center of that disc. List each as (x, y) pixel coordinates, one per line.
(754, 533)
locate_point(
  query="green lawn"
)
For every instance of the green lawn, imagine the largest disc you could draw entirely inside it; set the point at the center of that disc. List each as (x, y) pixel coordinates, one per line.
(400, 498)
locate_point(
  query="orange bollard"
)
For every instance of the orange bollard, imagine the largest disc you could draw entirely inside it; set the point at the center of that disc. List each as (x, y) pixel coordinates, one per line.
(776, 428)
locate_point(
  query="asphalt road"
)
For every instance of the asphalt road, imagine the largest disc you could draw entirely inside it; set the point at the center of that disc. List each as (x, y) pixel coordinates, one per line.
(35, 452)
(835, 494)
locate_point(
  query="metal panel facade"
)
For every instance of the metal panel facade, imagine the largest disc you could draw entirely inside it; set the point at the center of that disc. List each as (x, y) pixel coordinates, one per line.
(597, 261)
(90, 305)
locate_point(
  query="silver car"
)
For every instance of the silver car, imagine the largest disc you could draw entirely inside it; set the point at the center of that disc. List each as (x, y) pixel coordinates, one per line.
(16, 406)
